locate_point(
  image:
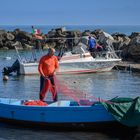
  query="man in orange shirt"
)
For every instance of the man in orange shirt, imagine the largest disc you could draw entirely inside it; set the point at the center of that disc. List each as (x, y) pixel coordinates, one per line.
(47, 67)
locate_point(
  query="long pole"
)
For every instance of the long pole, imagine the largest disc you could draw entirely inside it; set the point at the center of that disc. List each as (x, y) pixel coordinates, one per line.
(18, 54)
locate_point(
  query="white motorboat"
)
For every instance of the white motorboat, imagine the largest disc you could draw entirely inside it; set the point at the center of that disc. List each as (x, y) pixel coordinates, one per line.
(81, 61)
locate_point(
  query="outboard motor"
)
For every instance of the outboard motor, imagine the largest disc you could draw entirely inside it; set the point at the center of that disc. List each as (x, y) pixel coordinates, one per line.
(14, 68)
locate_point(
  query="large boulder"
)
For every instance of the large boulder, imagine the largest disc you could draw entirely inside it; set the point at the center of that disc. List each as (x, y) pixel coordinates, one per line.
(3, 35)
(106, 35)
(134, 48)
(105, 38)
(73, 38)
(97, 33)
(10, 36)
(134, 34)
(19, 35)
(120, 41)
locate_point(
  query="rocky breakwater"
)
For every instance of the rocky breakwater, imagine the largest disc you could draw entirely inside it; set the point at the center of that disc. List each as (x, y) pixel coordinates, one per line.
(128, 45)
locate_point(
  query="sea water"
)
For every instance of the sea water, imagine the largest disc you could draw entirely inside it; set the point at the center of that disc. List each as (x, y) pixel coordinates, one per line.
(105, 86)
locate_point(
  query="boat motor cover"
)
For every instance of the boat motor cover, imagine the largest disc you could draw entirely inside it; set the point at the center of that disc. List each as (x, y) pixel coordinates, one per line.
(125, 110)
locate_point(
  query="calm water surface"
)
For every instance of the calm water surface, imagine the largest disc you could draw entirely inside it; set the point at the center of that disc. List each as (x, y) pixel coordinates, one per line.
(104, 85)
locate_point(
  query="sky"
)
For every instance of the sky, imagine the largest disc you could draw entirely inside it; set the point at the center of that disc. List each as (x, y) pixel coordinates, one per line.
(69, 12)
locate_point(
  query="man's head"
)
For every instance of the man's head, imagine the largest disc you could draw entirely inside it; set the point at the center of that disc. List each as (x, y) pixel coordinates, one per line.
(89, 37)
(51, 51)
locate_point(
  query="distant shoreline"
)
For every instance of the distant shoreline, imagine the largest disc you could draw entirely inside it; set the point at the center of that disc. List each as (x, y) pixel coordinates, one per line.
(126, 29)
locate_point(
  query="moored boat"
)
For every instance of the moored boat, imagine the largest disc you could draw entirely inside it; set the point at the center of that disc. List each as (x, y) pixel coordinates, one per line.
(60, 112)
(81, 61)
(84, 112)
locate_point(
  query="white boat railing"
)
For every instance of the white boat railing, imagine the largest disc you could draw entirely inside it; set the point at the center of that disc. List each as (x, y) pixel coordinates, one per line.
(106, 54)
(18, 55)
(110, 53)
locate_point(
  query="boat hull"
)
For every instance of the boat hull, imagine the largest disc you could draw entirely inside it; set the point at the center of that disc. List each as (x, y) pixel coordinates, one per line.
(58, 113)
(64, 126)
(72, 67)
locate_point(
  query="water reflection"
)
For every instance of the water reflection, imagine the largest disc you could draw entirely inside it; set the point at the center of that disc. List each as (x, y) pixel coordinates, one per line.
(104, 85)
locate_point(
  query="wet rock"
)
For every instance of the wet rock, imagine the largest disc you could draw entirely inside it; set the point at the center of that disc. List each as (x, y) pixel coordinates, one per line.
(5, 48)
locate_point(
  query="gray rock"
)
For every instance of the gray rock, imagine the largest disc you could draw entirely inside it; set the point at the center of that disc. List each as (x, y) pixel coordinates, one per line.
(10, 36)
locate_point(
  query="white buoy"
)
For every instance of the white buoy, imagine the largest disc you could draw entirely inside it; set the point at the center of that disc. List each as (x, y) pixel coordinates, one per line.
(8, 58)
(5, 78)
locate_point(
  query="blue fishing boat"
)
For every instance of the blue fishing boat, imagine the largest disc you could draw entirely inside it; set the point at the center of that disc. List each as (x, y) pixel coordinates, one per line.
(58, 112)
(84, 112)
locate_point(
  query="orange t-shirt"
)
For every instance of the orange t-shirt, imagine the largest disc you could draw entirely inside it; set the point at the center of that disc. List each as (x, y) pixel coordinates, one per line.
(48, 65)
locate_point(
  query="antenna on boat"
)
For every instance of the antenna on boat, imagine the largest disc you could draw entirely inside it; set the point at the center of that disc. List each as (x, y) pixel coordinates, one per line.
(17, 53)
(82, 50)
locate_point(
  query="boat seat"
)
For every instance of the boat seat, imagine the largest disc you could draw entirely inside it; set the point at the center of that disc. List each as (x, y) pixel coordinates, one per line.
(74, 103)
(16, 102)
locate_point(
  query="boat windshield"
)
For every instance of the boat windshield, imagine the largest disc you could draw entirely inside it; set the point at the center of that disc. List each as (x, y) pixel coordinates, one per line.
(80, 49)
